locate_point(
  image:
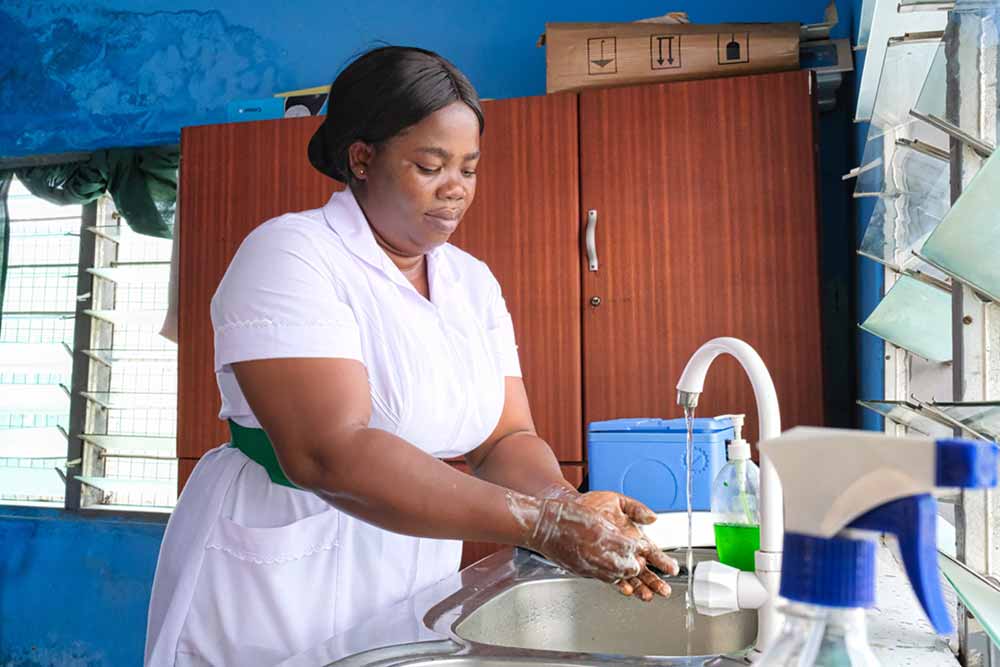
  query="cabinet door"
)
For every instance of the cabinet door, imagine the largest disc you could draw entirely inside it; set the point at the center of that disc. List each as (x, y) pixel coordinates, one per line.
(233, 177)
(707, 226)
(524, 225)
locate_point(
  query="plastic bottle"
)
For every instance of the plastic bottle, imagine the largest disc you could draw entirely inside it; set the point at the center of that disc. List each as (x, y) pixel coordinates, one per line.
(735, 497)
(821, 636)
(870, 484)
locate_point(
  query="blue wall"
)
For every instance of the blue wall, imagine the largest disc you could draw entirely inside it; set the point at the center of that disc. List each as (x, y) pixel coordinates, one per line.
(80, 76)
(128, 72)
(74, 589)
(869, 276)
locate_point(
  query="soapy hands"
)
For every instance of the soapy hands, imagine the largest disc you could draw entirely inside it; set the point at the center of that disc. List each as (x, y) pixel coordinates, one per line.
(575, 537)
(594, 535)
(627, 514)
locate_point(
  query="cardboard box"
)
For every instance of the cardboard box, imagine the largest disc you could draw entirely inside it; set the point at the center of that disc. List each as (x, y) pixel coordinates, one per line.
(585, 55)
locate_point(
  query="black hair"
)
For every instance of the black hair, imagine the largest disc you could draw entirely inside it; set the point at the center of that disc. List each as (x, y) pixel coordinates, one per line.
(380, 94)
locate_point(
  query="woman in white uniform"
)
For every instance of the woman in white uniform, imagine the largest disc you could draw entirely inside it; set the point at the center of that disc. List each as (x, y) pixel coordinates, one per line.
(354, 349)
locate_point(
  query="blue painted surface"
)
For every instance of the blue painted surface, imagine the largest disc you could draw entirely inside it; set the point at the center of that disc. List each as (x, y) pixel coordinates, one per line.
(79, 76)
(869, 280)
(74, 590)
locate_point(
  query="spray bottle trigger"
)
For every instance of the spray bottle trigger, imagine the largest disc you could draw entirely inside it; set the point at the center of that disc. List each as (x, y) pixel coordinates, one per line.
(913, 520)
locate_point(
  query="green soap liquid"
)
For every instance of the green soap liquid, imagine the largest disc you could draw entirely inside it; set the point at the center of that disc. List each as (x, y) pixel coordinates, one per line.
(736, 544)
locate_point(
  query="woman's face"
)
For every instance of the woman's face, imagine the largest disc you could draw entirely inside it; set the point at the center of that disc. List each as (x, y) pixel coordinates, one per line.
(416, 187)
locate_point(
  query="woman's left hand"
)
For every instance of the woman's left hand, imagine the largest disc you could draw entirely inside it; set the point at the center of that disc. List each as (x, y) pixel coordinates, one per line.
(627, 514)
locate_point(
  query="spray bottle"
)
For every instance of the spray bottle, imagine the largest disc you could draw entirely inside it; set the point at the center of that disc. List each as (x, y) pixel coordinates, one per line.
(735, 501)
(842, 489)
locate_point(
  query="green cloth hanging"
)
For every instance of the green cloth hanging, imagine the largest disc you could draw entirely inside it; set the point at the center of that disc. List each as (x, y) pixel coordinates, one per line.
(141, 181)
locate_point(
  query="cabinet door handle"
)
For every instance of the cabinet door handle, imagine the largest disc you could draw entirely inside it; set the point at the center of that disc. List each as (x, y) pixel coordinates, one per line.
(591, 238)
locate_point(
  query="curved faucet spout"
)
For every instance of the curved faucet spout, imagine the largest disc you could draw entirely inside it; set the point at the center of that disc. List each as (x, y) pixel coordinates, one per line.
(689, 388)
(692, 380)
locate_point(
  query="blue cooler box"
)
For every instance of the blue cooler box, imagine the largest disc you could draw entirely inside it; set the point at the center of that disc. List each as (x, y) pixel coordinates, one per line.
(645, 459)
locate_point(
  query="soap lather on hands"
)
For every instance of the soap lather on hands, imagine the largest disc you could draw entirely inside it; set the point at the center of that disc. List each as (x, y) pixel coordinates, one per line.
(628, 514)
(594, 535)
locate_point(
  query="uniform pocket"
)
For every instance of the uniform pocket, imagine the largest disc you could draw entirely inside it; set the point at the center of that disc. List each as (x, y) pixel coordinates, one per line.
(264, 594)
(277, 545)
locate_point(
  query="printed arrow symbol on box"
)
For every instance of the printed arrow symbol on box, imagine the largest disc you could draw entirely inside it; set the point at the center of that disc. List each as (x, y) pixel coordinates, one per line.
(602, 61)
(670, 49)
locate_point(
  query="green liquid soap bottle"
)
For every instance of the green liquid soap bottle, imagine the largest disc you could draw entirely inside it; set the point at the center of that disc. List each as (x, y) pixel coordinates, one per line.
(735, 500)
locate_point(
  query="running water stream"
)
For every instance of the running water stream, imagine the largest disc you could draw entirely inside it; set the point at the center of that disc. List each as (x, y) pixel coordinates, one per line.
(689, 594)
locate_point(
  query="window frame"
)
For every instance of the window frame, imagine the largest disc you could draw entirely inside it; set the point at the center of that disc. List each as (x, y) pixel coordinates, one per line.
(83, 413)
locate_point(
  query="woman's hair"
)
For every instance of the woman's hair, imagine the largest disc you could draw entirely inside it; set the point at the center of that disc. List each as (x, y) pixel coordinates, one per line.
(380, 94)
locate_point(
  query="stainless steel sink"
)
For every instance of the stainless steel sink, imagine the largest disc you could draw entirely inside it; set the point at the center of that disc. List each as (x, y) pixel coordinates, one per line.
(471, 661)
(572, 615)
(515, 609)
(439, 654)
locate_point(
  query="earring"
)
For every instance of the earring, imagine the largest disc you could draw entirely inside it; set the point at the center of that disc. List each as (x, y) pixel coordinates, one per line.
(361, 172)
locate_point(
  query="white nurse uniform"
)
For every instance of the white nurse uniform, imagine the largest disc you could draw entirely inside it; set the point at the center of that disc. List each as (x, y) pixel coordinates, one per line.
(251, 572)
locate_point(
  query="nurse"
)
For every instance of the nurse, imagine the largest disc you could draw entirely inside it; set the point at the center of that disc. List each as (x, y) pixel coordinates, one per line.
(354, 349)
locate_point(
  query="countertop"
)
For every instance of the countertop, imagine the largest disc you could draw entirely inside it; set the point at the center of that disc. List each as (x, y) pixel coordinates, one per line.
(898, 630)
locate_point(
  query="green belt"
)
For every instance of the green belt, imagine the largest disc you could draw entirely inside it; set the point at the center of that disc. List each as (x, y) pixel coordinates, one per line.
(257, 446)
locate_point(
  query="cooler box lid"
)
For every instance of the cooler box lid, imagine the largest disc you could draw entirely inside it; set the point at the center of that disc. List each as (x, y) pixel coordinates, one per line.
(649, 425)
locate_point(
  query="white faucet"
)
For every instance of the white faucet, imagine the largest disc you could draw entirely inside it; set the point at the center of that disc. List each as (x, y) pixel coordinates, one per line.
(730, 588)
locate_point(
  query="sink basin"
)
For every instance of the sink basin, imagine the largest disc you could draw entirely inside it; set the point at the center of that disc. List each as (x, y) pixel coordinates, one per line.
(435, 654)
(573, 615)
(470, 661)
(516, 609)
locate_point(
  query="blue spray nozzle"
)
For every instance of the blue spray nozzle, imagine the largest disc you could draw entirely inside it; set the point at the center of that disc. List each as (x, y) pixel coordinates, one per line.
(966, 464)
(913, 521)
(839, 570)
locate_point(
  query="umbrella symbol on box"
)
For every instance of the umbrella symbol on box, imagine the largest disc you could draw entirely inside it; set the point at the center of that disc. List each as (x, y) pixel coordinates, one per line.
(602, 55)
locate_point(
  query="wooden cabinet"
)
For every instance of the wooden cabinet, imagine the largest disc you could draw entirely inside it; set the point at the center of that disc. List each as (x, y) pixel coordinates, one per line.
(524, 225)
(707, 225)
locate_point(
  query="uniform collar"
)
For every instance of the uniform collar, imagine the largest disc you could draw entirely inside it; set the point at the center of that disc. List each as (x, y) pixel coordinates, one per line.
(344, 215)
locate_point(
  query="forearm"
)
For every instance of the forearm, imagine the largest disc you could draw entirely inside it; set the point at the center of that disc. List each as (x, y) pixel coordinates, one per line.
(384, 480)
(525, 463)
(410, 492)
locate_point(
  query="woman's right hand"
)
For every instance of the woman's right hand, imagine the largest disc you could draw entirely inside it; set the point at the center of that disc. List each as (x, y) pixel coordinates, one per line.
(578, 538)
